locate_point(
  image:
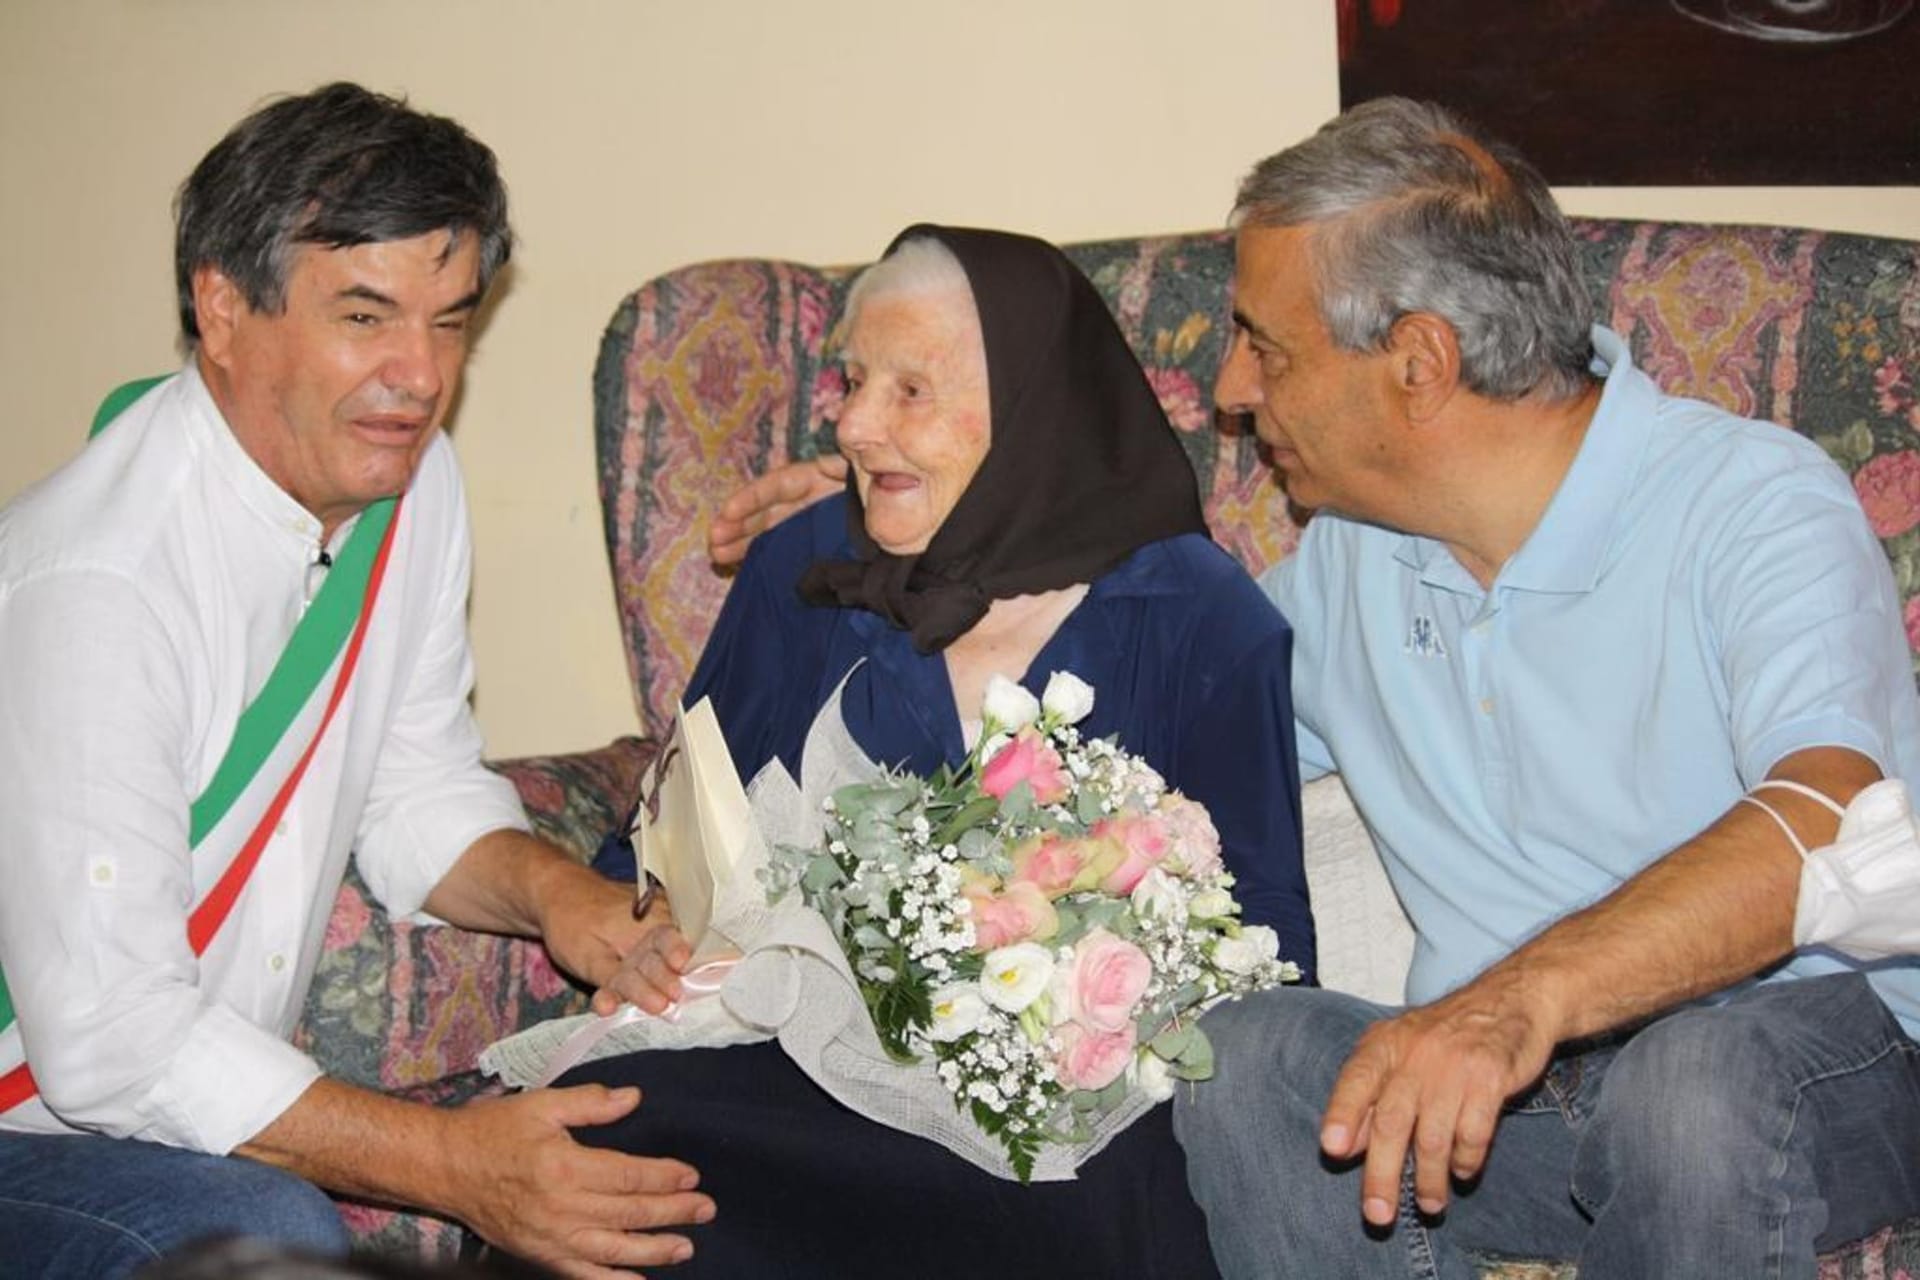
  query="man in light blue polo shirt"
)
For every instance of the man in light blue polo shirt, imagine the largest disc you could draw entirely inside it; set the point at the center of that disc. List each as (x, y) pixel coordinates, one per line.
(1551, 626)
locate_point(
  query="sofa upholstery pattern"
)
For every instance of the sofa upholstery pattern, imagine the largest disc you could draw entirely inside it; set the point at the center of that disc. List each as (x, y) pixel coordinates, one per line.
(713, 373)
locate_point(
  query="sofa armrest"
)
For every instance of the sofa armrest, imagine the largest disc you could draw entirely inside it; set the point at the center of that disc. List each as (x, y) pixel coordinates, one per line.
(574, 800)
(395, 1005)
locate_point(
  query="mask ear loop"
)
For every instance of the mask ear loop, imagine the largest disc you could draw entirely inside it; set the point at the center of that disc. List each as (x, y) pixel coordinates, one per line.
(1784, 784)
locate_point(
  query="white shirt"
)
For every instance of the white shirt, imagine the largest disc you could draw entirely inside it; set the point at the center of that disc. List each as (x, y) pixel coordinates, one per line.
(146, 591)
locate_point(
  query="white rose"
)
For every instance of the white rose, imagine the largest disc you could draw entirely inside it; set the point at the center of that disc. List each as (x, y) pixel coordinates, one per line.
(957, 1010)
(1011, 978)
(1008, 707)
(1152, 1075)
(1157, 894)
(1256, 945)
(1210, 904)
(1068, 698)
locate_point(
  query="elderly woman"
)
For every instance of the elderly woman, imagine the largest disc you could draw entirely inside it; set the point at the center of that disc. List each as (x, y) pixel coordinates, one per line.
(1017, 504)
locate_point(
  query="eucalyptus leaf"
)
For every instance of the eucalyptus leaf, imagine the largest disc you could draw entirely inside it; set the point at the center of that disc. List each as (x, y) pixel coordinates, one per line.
(966, 819)
(1197, 1055)
(821, 873)
(1172, 1042)
(978, 845)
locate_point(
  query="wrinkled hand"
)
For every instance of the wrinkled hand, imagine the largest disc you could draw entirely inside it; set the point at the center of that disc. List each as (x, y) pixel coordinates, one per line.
(587, 924)
(649, 973)
(1434, 1079)
(758, 505)
(525, 1185)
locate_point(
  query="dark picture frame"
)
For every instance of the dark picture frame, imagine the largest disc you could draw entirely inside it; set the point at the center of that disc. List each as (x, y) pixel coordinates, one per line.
(1660, 92)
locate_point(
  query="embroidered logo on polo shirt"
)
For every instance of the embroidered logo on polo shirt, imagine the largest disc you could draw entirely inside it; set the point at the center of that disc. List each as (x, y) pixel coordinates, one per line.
(1423, 638)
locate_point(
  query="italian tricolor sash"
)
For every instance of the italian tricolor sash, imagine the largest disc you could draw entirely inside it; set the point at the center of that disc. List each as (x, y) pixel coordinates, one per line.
(334, 626)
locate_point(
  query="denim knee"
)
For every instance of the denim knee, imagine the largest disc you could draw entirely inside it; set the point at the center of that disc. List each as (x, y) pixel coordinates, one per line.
(83, 1205)
(1703, 1103)
(253, 1199)
(1276, 1056)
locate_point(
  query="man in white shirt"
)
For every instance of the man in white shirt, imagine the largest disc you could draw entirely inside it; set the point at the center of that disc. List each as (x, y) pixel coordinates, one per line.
(200, 724)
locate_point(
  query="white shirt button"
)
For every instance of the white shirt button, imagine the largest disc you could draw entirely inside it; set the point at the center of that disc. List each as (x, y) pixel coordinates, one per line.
(1486, 706)
(276, 962)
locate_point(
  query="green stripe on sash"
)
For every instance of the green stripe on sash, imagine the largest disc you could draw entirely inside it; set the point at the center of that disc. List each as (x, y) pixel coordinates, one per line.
(119, 398)
(316, 641)
(309, 654)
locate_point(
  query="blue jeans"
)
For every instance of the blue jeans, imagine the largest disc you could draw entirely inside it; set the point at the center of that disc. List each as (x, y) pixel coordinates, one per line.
(85, 1206)
(1733, 1140)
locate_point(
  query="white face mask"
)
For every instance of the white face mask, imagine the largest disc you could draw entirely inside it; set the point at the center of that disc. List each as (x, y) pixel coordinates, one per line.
(1860, 894)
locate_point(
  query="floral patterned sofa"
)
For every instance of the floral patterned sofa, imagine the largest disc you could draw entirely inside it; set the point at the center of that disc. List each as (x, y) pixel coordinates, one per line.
(713, 373)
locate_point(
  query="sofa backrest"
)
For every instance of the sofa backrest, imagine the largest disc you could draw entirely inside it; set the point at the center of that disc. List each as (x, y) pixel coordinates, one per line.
(713, 373)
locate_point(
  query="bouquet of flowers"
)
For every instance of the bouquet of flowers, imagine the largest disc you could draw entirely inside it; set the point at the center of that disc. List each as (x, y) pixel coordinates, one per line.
(1046, 922)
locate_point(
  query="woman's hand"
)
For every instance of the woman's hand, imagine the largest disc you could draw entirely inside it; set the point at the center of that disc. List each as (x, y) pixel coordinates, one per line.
(649, 973)
(759, 504)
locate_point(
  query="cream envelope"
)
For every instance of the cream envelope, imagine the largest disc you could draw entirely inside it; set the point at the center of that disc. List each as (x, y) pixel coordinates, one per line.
(694, 826)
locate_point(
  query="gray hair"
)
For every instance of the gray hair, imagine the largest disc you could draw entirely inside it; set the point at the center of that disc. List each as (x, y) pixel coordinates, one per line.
(920, 266)
(1414, 210)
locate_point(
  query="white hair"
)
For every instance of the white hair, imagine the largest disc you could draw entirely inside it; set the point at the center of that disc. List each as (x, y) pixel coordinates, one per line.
(918, 267)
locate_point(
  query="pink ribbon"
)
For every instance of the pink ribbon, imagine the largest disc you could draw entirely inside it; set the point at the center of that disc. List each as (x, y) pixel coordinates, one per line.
(696, 984)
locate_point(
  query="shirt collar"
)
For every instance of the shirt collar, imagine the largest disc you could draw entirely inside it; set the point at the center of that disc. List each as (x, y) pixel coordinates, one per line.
(257, 492)
(1567, 551)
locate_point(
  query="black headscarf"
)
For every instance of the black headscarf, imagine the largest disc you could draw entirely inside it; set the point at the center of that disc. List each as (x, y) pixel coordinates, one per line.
(1082, 469)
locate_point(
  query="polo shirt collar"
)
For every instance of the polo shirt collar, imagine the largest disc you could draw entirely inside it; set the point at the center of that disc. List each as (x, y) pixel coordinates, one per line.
(1567, 551)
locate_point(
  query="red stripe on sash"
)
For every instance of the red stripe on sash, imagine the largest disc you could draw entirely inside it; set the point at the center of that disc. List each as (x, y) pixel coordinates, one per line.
(17, 1085)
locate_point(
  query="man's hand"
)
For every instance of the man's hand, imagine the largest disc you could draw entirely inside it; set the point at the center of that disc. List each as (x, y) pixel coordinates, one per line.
(513, 883)
(649, 975)
(525, 1185)
(758, 505)
(507, 1167)
(1434, 1079)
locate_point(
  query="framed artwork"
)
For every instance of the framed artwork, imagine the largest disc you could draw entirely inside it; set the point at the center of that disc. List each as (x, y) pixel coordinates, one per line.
(1660, 92)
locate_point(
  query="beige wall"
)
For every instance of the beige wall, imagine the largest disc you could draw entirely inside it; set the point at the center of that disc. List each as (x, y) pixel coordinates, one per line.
(638, 135)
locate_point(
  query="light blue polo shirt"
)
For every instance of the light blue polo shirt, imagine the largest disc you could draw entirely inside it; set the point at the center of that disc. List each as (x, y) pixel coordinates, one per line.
(1701, 598)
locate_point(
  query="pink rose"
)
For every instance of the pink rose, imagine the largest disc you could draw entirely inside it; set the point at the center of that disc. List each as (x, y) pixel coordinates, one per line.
(1105, 981)
(1195, 844)
(1092, 1059)
(1026, 759)
(1889, 489)
(1058, 866)
(1020, 914)
(1144, 838)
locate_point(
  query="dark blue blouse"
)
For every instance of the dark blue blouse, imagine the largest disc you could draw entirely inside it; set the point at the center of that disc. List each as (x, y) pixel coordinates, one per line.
(1189, 661)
